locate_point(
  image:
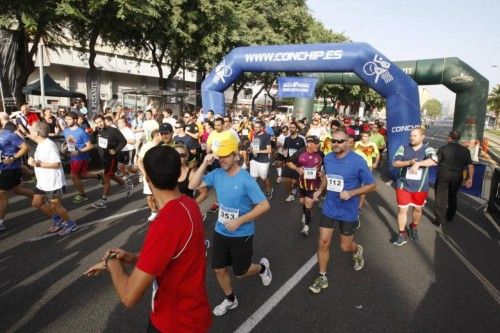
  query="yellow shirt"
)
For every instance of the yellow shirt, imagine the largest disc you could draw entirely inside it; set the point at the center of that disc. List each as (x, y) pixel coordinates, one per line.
(368, 151)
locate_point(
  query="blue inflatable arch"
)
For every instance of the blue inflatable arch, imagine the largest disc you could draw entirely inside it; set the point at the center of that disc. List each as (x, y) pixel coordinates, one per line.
(399, 90)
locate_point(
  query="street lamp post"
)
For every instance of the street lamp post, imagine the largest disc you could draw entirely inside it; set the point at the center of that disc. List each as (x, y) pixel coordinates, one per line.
(265, 101)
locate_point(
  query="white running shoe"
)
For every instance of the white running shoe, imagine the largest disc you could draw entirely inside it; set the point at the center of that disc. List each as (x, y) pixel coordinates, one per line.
(305, 230)
(244, 166)
(290, 198)
(226, 304)
(267, 276)
(152, 217)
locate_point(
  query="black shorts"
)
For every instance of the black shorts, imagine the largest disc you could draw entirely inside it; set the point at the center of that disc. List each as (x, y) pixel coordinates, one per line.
(306, 193)
(346, 228)
(126, 157)
(9, 179)
(110, 166)
(290, 174)
(232, 251)
(50, 194)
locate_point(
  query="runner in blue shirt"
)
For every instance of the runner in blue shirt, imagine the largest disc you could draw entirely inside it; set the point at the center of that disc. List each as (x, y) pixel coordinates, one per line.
(412, 183)
(346, 177)
(12, 148)
(77, 146)
(241, 201)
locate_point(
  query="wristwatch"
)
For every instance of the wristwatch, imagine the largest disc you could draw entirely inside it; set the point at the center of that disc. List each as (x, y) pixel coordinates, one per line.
(111, 255)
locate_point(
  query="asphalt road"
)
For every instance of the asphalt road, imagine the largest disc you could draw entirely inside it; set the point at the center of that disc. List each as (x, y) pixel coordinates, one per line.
(448, 281)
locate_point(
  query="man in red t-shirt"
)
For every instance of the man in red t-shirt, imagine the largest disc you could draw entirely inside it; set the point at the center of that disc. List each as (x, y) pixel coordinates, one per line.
(172, 256)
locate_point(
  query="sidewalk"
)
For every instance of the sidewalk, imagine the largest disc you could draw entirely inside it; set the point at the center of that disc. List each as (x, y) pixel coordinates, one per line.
(493, 153)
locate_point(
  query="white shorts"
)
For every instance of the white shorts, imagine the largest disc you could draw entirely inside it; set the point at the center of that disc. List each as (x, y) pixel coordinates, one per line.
(258, 169)
(146, 190)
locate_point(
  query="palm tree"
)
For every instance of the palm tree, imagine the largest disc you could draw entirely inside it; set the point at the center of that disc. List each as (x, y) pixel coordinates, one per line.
(494, 103)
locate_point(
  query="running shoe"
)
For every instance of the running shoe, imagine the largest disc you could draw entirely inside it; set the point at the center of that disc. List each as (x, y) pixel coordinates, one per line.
(400, 241)
(290, 198)
(57, 224)
(68, 227)
(269, 194)
(320, 283)
(2, 226)
(226, 304)
(305, 230)
(244, 166)
(413, 234)
(279, 179)
(294, 191)
(127, 188)
(267, 276)
(79, 198)
(357, 259)
(141, 177)
(99, 204)
(152, 217)
(214, 208)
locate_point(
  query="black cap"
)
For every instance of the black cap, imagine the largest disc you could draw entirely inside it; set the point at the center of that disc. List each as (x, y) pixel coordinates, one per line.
(166, 128)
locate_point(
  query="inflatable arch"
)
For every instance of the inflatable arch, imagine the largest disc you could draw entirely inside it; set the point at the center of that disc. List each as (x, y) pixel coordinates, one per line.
(470, 87)
(371, 66)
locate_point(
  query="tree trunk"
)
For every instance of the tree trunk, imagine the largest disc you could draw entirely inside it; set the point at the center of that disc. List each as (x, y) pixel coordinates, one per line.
(255, 97)
(325, 103)
(237, 89)
(92, 43)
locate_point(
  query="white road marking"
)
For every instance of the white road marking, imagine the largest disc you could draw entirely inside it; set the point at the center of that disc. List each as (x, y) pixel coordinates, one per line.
(487, 284)
(86, 225)
(258, 315)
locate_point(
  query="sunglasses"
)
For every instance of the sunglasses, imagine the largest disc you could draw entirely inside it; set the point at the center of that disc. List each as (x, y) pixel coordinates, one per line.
(338, 141)
(178, 127)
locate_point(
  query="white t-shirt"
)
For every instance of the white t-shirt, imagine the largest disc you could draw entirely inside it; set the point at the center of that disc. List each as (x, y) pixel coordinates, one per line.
(149, 126)
(129, 135)
(48, 179)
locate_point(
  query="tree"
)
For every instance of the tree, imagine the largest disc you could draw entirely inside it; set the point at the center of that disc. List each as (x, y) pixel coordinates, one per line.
(494, 103)
(93, 21)
(432, 108)
(27, 22)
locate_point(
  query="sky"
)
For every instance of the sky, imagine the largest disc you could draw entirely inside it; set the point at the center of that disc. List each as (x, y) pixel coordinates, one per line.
(424, 29)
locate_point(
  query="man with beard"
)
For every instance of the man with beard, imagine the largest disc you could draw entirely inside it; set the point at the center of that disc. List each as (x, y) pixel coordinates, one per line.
(109, 142)
(241, 201)
(412, 183)
(261, 150)
(346, 177)
(293, 143)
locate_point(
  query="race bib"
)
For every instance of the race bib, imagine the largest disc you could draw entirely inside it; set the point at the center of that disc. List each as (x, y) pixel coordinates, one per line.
(334, 183)
(227, 214)
(71, 146)
(244, 132)
(102, 142)
(414, 176)
(204, 146)
(291, 151)
(356, 132)
(310, 173)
